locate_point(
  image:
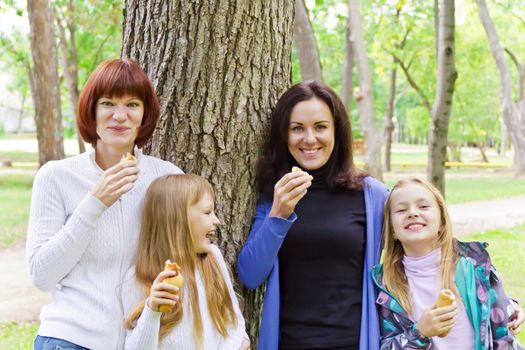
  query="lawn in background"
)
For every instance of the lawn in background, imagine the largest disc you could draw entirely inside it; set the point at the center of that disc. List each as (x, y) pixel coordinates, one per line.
(15, 196)
(15, 336)
(460, 188)
(19, 156)
(506, 249)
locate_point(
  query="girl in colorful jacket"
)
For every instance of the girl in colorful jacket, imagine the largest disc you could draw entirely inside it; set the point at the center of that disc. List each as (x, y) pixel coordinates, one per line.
(420, 258)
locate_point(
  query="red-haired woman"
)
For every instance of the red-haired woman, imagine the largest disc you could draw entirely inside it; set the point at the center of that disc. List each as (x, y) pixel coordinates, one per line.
(84, 219)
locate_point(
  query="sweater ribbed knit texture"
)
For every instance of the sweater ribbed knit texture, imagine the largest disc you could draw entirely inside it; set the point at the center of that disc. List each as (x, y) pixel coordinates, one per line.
(80, 249)
(146, 333)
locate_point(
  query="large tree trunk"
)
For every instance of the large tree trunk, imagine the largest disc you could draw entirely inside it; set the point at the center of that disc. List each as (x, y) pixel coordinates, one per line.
(219, 69)
(348, 68)
(513, 122)
(46, 91)
(69, 61)
(389, 122)
(364, 97)
(304, 39)
(442, 107)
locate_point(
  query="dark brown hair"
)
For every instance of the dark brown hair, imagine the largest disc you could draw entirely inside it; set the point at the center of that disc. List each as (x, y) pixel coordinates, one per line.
(276, 160)
(117, 78)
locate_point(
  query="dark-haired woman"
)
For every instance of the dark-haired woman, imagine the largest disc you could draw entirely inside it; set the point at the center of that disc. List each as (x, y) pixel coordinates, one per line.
(84, 221)
(313, 241)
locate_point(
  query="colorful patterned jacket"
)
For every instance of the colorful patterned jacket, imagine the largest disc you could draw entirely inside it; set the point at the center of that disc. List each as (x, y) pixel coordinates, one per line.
(398, 331)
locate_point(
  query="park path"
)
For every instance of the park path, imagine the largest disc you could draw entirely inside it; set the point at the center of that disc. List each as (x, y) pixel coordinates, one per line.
(21, 302)
(481, 216)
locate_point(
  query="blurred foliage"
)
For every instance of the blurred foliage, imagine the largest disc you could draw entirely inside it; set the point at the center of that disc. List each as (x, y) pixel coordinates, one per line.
(98, 36)
(17, 336)
(386, 23)
(476, 106)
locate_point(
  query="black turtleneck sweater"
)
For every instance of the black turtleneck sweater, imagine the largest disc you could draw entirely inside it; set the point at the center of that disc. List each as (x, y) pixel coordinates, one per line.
(321, 269)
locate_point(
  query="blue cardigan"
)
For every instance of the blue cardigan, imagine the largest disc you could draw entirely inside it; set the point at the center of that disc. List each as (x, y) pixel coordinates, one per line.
(258, 262)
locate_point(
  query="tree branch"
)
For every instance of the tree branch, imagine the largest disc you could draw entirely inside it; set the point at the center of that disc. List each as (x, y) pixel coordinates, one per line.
(99, 51)
(513, 58)
(411, 81)
(512, 13)
(519, 18)
(403, 42)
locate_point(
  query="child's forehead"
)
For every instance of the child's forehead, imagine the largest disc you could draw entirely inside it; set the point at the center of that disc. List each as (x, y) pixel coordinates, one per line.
(411, 191)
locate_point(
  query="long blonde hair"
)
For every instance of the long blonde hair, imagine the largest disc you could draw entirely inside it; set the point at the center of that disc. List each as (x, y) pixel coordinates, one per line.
(394, 278)
(166, 234)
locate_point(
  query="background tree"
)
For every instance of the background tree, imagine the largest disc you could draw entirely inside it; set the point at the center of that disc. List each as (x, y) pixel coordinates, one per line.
(65, 20)
(305, 44)
(442, 107)
(475, 121)
(218, 68)
(92, 33)
(46, 86)
(364, 96)
(348, 67)
(513, 113)
(88, 32)
(388, 130)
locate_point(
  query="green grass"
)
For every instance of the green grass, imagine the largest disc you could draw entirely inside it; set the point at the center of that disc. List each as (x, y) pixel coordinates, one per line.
(19, 156)
(460, 189)
(15, 195)
(417, 157)
(506, 249)
(15, 336)
(473, 189)
(10, 136)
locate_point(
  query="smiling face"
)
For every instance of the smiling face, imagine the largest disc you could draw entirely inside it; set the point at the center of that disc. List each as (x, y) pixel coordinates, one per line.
(118, 121)
(416, 218)
(311, 133)
(203, 222)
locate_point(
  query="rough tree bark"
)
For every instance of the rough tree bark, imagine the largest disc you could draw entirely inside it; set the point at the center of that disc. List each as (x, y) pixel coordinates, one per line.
(348, 68)
(364, 97)
(442, 107)
(514, 121)
(46, 91)
(69, 60)
(218, 68)
(305, 44)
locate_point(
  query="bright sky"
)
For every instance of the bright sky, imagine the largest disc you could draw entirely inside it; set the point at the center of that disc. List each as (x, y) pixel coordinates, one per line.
(9, 19)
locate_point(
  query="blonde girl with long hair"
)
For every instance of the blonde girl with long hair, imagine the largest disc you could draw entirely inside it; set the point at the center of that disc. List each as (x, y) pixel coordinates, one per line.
(422, 257)
(178, 222)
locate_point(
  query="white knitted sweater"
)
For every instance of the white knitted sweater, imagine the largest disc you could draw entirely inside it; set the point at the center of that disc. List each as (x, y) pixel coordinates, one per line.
(145, 335)
(80, 249)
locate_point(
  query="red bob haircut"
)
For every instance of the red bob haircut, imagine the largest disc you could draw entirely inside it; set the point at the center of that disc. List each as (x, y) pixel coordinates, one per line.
(117, 78)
